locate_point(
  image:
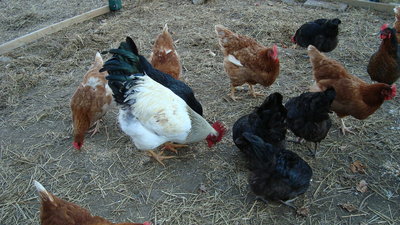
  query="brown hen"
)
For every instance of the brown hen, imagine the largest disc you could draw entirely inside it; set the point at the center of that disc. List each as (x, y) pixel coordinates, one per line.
(55, 211)
(354, 96)
(90, 101)
(164, 56)
(246, 61)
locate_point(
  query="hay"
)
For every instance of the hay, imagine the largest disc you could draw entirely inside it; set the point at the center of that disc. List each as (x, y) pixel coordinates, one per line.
(114, 180)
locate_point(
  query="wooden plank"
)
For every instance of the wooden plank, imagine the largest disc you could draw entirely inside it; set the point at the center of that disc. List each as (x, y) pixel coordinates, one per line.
(6, 47)
(378, 6)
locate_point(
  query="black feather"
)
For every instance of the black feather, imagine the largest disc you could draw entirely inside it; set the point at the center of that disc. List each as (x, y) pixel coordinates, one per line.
(267, 122)
(308, 114)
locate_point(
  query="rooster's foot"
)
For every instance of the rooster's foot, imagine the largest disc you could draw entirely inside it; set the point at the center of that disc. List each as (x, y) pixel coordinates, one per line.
(159, 157)
(172, 147)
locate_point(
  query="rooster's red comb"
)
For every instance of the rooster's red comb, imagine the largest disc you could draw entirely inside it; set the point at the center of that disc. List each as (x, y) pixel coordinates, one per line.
(220, 128)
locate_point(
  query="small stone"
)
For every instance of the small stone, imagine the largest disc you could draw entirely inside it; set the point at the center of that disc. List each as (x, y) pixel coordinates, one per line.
(198, 2)
(5, 59)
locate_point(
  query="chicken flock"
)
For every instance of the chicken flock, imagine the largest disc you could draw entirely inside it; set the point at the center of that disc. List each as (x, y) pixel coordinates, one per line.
(157, 109)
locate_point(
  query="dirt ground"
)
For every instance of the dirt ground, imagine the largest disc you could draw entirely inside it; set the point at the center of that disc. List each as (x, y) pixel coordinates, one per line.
(202, 186)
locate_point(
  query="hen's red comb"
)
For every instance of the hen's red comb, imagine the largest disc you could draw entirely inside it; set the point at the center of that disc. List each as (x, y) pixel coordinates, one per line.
(384, 26)
(394, 90)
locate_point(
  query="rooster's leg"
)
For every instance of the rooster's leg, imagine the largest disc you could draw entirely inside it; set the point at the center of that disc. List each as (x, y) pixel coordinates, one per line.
(232, 94)
(172, 147)
(253, 93)
(159, 157)
(344, 128)
(96, 128)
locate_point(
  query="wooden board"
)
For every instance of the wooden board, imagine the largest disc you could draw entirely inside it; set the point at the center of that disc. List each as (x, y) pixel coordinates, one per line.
(382, 7)
(8, 46)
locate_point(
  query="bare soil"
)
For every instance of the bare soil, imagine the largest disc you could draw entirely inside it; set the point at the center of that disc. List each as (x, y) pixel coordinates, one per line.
(201, 186)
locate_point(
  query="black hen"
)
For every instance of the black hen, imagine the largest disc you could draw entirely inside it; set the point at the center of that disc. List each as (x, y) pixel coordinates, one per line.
(275, 174)
(128, 51)
(267, 122)
(321, 33)
(308, 116)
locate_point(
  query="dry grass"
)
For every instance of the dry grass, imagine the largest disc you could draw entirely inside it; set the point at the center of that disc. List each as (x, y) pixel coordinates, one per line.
(114, 180)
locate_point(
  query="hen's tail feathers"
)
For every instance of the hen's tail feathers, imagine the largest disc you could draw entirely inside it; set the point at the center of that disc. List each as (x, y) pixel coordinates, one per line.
(98, 60)
(223, 34)
(261, 154)
(397, 12)
(320, 105)
(165, 29)
(44, 195)
(334, 22)
(272, 102)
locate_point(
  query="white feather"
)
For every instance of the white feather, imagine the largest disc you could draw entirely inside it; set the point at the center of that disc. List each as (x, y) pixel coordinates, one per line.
(92, 82)
(234, 60)
(157, 116)
(168, 51)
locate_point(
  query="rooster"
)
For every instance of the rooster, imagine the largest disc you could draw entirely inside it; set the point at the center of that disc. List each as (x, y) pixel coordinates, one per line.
(150, 113)
(354, 96)
(322, 33)
(384, 65)
(90, 102)
(267, 121)
(308, 116)
(164, 56)
(246, 61)
(55, 211)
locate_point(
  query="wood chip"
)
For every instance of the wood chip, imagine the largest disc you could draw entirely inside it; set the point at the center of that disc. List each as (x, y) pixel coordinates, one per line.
(362, 186)
(348, 206)
(303, 211)
(357, 167)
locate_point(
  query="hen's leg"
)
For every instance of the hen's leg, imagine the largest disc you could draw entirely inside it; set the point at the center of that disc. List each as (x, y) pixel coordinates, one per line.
(344, 128)
(159, 157)
(172, 147)
(289, 203)
(232, 94)
(96, 128)
(253, 93)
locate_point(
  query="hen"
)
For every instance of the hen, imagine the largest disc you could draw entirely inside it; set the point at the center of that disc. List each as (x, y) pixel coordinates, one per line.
(55, 211)
(322, 33)
(354, 96)
(384, 65)
(90, 101)
(150, 113)
(396, 24)
(275, 174)
(246, 61)
(164, 56)
(308, 117)
(267, 122)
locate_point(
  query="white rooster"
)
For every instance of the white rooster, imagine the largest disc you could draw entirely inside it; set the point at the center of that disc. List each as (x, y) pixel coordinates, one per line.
(152, 113)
